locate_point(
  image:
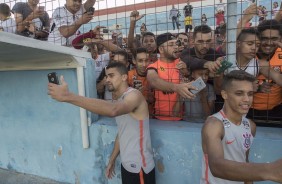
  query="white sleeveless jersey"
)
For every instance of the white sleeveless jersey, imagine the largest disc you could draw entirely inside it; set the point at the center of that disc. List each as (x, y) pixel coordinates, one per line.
(251, 68)
(236, 142)
(135, 142)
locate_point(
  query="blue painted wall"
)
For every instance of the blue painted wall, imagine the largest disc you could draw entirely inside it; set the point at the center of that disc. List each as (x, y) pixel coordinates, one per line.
(43, 137)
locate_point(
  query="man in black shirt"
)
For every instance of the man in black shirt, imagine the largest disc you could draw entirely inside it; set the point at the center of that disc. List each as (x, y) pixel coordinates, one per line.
(188, 9)
(202, 55)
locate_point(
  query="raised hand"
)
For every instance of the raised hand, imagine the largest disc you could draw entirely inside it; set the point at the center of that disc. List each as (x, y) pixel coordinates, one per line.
(135, 16)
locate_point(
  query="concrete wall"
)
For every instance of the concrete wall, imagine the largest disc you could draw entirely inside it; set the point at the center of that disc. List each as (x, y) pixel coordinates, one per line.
(43, 137)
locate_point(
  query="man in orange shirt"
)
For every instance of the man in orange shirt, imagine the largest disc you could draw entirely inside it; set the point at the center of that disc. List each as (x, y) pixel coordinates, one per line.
(137, 76)
(268, 99)
(164, 77)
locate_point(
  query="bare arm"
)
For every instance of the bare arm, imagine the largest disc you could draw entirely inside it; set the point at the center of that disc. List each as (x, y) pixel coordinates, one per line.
(102, 107)
(193, 62)
(108, 44)
(134, 17)
(207, 106)
(158, 83)
(212, 134)
(270, 72)
(110, 170)
(248, 14)
(67, 31)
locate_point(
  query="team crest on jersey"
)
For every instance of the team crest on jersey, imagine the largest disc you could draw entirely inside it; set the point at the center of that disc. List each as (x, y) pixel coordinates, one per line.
(162, 69)
(277, 69)
(226, 123)
(134, 77)
(246, 124)
(247, 143)
(280, 56)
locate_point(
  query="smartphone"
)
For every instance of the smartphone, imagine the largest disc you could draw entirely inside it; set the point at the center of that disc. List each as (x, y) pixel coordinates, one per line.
(41, 8)
(90, 10)
(105, 30)
(53, 78)
(224, 65)
(199, 84)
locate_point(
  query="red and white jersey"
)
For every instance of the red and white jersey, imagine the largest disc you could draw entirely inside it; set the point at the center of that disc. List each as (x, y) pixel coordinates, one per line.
(236, 142)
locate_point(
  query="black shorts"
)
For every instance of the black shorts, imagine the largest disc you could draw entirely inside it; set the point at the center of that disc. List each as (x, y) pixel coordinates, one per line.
(189, 27)
(136, 178)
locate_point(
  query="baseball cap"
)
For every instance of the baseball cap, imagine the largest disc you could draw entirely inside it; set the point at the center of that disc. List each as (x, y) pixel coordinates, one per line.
(162, 38)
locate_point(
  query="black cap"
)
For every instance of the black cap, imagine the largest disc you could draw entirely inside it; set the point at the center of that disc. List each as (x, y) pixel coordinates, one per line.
(162, 38)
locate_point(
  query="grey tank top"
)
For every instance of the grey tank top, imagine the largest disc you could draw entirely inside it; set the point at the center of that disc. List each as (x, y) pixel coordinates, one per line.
(135, 142)
(236, 142)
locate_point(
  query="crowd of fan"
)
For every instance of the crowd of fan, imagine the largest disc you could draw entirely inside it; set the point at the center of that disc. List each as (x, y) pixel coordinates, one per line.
(163, 66)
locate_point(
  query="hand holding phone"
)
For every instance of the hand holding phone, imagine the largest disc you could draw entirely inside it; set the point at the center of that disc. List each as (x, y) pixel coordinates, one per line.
(53, 78)
(90, 10)
(224, 65)
(199, 84)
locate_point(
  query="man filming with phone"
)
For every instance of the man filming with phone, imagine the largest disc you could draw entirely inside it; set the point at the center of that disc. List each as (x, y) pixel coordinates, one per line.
(66, 20)
(164, 77)
(32, 20)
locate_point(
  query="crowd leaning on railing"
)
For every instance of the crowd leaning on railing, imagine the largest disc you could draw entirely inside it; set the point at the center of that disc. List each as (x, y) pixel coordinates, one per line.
(172, 77)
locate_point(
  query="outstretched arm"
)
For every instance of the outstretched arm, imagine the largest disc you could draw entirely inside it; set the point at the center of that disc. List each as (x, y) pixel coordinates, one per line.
(248, 14)
(134, 17)
(102, 107)
(158, 83)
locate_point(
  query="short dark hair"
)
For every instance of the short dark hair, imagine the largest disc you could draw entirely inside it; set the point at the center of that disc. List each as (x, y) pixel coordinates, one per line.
(5, 9)
(269, 24)
(236, 75)
(122, 53)
(181, 34)
(202, 29)
(247, 31)
(122, 69)
(139, 50)
(148, 34)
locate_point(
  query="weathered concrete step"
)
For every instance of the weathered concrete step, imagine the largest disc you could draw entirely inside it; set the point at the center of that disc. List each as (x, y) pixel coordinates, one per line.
(12, 177)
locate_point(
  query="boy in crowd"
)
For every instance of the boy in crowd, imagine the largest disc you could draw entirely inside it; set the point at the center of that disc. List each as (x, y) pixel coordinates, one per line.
(32, 20)
(130, 110)
(248, 44)
(228, 135)
(7, 23)
(137, 76)
(202, 105)
(148, 39)
(184, 39)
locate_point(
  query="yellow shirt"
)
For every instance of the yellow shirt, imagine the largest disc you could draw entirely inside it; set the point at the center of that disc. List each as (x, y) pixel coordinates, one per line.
(188, 20)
